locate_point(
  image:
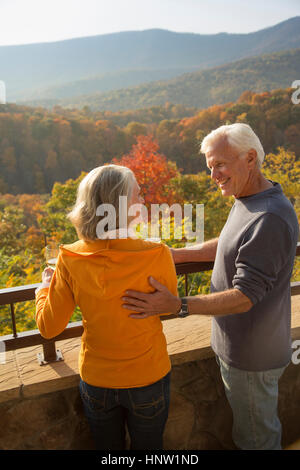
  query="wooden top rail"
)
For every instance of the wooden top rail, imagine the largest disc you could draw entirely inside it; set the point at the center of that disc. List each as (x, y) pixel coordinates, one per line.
(12, 295)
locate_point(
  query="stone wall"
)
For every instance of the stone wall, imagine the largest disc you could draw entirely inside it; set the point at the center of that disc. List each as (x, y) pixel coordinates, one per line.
(199, 418)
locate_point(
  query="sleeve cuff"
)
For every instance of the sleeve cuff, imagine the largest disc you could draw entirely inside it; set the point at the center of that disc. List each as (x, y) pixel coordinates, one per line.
(254, 300)
(44, 285)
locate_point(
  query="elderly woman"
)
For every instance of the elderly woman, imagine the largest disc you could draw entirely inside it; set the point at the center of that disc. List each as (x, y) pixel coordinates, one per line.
(123, 364)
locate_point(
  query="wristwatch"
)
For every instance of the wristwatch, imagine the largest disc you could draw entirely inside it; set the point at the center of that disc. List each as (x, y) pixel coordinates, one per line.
(184, 311)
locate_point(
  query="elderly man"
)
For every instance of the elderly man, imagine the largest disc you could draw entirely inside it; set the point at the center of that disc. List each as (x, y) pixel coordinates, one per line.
(250, 300)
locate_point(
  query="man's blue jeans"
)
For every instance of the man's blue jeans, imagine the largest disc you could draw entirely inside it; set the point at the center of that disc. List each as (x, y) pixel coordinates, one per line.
(253, 397)
(143, 409)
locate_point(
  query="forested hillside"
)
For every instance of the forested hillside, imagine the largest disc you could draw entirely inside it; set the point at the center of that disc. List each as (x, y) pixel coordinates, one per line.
(202, 88)
(39, 147)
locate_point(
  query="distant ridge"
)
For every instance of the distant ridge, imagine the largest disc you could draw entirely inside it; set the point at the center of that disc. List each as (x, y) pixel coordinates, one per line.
(201, 89)
(31, 71)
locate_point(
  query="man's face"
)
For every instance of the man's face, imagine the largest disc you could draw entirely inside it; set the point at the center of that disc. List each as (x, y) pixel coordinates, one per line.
(231, 172)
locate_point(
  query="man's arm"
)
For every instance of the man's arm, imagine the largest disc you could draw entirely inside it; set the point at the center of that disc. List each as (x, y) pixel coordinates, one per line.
(220, 303)
(202, 252)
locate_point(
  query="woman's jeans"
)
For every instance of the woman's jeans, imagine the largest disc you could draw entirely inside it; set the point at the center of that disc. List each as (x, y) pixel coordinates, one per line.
(143, 409)
(253, 397)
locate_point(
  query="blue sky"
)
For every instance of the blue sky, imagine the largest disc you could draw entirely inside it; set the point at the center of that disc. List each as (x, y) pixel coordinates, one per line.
(29, 21)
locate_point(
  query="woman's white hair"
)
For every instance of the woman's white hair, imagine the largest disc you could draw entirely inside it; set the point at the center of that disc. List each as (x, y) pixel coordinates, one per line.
(102, 185)
(239, 136)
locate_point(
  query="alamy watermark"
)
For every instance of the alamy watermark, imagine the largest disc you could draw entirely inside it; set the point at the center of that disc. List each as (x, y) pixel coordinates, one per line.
(158, 224)
(296, 353)
(296, 95)
(2, 353)
(2, 92)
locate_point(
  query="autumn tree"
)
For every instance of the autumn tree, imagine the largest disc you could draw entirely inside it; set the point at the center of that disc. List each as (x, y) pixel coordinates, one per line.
(154, 173)
(54, 222)
(283, 168)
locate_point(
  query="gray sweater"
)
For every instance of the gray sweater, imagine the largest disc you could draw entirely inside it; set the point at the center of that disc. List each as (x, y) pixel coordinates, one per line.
(255, 254)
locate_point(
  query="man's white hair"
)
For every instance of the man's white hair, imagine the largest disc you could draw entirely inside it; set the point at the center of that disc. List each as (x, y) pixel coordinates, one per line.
(239, 136)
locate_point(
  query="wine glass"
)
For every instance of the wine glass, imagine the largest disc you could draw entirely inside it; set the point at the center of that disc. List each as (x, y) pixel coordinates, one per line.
(51, 255)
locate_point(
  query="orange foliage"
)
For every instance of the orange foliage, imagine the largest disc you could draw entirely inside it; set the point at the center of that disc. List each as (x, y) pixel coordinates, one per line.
(152, 170)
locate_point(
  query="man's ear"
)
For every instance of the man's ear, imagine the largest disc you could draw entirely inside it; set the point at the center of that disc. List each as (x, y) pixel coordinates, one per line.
(252, 158)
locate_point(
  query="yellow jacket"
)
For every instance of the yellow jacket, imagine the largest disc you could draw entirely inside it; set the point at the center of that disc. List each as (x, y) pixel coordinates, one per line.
(116, 351)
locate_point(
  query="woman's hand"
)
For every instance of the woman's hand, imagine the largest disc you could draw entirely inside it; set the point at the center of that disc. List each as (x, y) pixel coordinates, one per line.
(47, 275)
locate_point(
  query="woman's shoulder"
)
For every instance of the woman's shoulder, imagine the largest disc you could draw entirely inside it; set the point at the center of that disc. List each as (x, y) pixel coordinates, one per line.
(75, 247)
(150, 244)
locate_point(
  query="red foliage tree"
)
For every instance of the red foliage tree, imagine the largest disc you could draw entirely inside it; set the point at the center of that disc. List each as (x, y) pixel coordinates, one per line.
(152, 170)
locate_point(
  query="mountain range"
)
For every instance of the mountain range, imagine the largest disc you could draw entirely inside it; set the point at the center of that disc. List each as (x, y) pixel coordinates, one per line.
(217, 85)
(100, 64)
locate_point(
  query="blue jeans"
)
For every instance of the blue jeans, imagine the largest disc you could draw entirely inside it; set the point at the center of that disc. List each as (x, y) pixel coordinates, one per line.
(253, 397)
(143, 409)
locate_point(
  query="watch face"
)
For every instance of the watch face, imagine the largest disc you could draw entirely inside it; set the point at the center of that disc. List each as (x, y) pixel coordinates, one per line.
(183, 314)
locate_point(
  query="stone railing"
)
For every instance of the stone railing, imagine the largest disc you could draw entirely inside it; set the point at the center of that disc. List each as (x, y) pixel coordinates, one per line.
(40, 406)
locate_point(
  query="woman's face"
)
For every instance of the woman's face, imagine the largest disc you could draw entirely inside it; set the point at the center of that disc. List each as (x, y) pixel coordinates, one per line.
(135, 213)
(136, 197)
